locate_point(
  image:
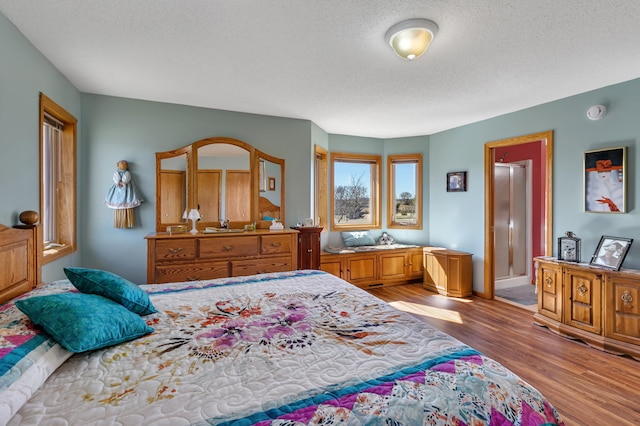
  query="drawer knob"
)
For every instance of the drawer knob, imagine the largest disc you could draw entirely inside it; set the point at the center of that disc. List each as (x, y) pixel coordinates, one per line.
(582, 289)
(627, 298)
(276, 244)
(549, 281)
(227, 248)
(309, 250)
(175, 250)
(196, 278)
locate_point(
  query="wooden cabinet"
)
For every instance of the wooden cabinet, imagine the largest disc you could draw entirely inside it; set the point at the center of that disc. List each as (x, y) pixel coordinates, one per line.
(622, 308)
(375, 268)
(583, 291)
(186, 257)
(362, 270)
(550, 290)
(448, 272)
(597, 306)
(333, 265)
(309, 247)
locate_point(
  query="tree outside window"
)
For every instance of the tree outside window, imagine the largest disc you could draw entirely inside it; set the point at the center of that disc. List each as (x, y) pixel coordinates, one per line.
(355, 191)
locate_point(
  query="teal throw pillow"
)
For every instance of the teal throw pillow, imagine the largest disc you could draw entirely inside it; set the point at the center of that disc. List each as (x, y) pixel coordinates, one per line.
(83, 322)
(111, 286)
(358, 238)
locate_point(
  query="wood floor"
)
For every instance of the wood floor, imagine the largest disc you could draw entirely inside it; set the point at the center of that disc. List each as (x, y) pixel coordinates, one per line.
(587, 386)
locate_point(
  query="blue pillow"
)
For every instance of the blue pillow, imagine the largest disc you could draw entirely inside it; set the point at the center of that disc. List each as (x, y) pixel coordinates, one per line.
(83, 322)
(111, 286)
(358, 238)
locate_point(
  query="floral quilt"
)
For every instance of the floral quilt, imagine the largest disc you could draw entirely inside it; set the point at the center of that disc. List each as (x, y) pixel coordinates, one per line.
(295, 348)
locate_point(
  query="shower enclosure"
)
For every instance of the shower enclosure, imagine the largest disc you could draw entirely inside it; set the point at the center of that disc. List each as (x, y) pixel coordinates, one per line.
(512, 252)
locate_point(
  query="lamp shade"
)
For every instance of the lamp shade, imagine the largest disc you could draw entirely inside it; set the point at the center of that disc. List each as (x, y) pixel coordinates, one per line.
(411, 38)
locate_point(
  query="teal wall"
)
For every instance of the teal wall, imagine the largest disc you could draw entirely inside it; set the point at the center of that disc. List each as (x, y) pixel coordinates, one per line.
(457, 219)
(384, 147)
(116, 128)
(24, 73)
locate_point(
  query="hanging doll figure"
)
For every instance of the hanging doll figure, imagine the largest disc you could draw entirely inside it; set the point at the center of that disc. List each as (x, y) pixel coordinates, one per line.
(123, 196)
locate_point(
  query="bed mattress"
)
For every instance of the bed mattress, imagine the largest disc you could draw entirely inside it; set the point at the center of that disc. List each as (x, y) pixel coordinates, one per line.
(292, 348)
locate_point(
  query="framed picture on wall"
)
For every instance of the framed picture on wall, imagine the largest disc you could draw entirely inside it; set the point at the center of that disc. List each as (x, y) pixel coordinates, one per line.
(456, 181)
(605, 176)
(611, 252)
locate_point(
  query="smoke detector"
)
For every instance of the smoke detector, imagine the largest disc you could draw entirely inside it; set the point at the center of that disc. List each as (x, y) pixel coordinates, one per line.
(596, 112)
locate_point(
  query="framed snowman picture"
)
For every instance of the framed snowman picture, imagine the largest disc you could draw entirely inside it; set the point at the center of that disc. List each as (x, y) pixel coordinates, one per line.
(605, 176)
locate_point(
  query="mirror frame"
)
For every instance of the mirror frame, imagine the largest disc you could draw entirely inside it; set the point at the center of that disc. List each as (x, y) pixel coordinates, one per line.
(166, 155)
(191, 151)
(256, 184)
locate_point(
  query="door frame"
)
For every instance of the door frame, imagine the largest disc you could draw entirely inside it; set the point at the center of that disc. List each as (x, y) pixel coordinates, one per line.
(489, 223)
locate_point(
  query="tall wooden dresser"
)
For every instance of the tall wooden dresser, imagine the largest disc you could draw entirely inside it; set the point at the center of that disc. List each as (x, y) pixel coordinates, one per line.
(309, 247)
(187, 257)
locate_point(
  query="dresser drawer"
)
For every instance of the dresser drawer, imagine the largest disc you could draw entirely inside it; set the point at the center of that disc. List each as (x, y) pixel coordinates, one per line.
(261, 266)
(192, 272)
(186, 257)
(175, 249)
(274, 244)
(225, 247)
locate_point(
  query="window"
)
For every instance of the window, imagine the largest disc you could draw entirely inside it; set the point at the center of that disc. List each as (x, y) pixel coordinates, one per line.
(355, 195)
(57, 179)
(404, 191)
(320, 202)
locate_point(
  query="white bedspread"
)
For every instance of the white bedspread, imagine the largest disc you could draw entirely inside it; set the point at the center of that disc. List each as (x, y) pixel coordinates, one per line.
(303, 346)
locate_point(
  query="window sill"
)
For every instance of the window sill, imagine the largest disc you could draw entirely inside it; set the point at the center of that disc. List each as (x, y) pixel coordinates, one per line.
(53, 253)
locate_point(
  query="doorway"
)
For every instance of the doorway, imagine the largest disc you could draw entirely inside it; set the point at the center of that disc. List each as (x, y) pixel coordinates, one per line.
(538, 150)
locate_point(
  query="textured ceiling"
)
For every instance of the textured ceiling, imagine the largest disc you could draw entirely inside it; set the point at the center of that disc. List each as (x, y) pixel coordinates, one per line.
(327, 61)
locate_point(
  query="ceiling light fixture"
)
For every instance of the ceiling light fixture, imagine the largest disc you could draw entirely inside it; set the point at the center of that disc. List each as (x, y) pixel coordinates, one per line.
(411, 38)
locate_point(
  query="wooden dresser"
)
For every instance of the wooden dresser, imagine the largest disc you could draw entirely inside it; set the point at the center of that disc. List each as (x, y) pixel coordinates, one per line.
(598, 306)
(448, 272)
(187, 257)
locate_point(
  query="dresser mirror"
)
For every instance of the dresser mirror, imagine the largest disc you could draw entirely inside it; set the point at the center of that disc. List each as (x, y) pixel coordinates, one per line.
(271, 187)
(172, 184)
(224, 179)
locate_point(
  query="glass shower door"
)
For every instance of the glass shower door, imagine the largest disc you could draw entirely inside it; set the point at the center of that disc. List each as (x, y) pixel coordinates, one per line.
(510, 221)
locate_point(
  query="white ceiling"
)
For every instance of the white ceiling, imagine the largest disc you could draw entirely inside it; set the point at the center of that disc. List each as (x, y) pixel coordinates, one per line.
(327, 61)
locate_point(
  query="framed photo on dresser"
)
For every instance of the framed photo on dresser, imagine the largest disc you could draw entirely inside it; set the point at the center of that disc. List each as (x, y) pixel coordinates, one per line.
(611, 252)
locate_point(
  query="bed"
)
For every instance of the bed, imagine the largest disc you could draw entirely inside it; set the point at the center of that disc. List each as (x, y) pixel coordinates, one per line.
(291, 348)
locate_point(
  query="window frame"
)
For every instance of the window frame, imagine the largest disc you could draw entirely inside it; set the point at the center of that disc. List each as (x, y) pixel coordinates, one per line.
(375, 161)
(66, 192)
(320, 204)
(391, 196)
